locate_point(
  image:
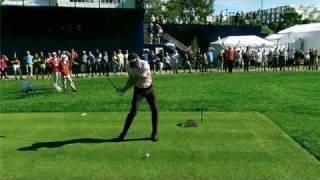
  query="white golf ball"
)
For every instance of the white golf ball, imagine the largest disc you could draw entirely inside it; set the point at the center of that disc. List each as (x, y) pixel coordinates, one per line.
(147, 155)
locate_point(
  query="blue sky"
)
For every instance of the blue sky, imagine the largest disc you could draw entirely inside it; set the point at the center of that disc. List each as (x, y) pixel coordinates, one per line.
(247, 5)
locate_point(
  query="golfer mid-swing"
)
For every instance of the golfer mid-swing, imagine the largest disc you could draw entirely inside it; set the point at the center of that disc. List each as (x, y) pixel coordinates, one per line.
(140, 78)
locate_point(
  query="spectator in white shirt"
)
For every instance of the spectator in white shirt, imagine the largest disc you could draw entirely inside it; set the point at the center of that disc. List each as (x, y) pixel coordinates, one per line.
(167, 62)
(120, 58)
(259, 60)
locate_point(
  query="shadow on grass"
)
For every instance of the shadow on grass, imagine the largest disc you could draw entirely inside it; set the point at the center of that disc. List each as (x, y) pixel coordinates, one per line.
(17, 95)
(58, 144)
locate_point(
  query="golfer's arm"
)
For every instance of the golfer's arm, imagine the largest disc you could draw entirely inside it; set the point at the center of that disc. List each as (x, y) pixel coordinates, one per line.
(128, 85)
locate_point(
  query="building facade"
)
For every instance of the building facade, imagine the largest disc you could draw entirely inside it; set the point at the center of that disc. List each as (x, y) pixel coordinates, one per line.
(271, 15)
(50, 25)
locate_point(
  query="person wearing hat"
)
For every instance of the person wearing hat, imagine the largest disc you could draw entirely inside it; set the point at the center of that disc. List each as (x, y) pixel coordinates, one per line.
(139, 77)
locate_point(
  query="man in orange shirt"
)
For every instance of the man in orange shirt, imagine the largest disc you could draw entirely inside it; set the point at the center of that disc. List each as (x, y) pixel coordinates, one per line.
(230, 56)
(66, 74)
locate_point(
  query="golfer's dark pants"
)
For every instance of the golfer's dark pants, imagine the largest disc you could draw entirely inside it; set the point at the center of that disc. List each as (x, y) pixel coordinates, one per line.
(138, 95)
(3, 72)
(246, 66)
(230, 65)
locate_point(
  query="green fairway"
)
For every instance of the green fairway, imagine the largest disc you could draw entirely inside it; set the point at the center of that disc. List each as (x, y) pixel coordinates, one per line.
(249, 141)
(226, 146)
(290, 99)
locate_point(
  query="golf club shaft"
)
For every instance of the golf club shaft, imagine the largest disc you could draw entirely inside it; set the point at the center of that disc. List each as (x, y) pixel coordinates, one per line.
(112, 84)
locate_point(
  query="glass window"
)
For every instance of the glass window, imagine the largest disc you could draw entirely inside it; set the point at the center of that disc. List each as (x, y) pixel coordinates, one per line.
(90, 1)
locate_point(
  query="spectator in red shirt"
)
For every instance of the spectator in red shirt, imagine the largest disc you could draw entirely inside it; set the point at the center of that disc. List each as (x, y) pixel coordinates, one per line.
(230, 57)
(66, 74)
(4, 66)
(54, 63)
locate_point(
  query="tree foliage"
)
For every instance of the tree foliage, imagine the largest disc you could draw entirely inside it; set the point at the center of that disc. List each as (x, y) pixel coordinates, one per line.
(265, 30)
(306, 21)
(288, 18)
(176, 7)
(153, 8)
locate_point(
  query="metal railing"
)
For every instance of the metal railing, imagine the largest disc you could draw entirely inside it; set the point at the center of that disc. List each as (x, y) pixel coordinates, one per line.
(177, 43)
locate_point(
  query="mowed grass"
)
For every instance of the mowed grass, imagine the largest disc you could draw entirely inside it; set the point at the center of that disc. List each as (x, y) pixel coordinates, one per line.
(291, 100)
(226, 146)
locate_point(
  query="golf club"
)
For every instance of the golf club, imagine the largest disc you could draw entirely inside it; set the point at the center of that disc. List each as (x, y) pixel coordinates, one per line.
(201, 114)
(16, 138)
(114, 86)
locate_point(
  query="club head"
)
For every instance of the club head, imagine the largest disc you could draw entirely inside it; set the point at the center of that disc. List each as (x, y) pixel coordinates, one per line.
(119, 92)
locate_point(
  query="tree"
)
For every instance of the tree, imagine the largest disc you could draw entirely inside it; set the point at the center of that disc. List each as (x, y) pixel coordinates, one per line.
(175, 8)
(153, 7)
(306, 21)
(288, 18)
(274, 26)
(265, 30)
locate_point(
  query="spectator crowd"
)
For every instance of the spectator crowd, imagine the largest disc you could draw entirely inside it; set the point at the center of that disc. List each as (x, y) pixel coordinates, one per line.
(37, 65)
(224, 17)
(268, 59)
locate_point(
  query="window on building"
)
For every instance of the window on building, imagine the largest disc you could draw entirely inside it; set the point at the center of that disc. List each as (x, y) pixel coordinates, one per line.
(92, 1)
(88, 1)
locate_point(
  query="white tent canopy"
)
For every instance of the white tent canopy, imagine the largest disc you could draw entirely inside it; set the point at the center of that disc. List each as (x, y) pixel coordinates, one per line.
(279, 40)
(275, 37)
(301, 28)
(244, 41)
(303, 36)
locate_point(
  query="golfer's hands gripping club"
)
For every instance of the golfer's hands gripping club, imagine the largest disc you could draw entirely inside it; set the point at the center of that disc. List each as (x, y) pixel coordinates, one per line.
(119, 91)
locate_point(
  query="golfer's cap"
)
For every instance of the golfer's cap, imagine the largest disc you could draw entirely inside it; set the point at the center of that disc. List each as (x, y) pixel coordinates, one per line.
(54, 53)
(132, 57)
